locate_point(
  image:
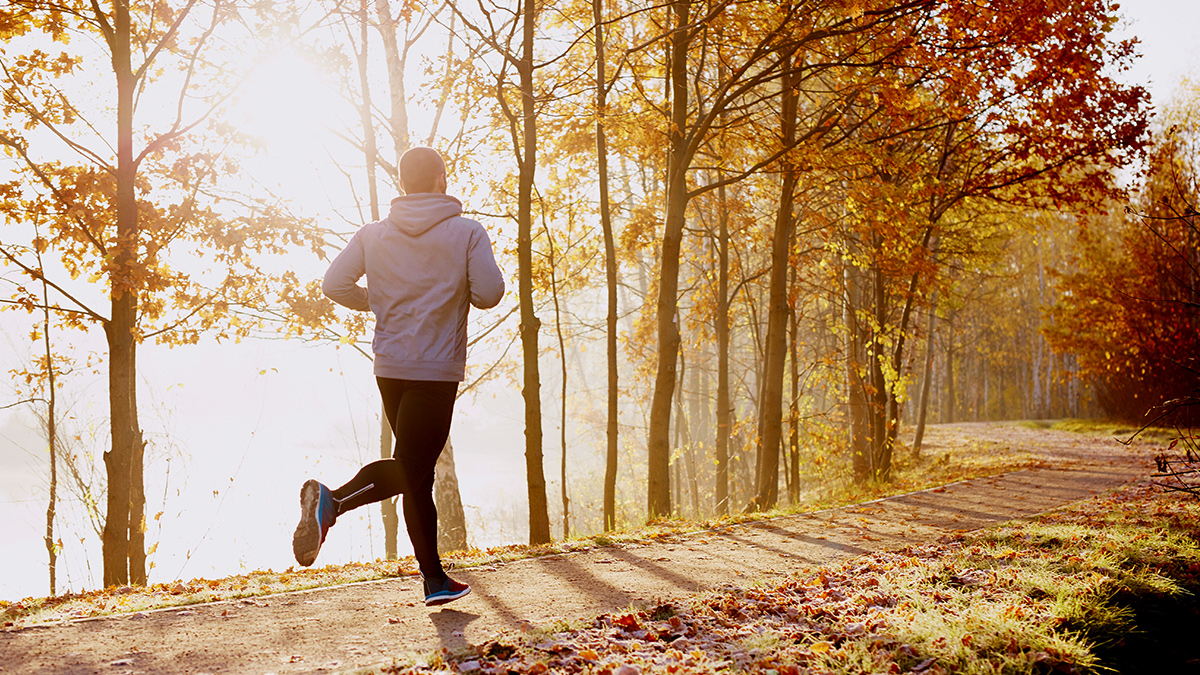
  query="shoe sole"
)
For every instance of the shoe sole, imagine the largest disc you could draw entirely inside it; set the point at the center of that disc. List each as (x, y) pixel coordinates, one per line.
(443, 599)
(306, 541)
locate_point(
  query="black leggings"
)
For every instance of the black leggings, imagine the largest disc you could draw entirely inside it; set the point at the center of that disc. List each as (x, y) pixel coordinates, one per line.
(419, 413)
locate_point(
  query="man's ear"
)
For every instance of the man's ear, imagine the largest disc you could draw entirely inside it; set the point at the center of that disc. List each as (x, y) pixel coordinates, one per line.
(440, 185)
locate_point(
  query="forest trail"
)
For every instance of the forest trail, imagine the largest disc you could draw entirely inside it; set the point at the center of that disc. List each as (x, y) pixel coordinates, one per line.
(371, 623)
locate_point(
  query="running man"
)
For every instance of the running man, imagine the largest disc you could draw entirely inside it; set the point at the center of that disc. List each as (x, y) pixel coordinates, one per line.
(425, 266)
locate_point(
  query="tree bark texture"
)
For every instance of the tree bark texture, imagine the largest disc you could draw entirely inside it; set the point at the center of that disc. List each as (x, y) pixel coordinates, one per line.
(395, 59)
(722, 334)
(452, 518)
(658, 497)
(119, 331)
(926, 378)
(610, 274)
(539, 518)
(770, 412)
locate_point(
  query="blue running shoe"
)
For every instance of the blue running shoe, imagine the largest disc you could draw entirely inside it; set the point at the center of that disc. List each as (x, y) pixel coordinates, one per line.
(316, 517)
(441, 592)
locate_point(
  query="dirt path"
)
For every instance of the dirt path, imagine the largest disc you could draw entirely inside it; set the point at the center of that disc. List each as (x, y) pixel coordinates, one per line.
(371, 623)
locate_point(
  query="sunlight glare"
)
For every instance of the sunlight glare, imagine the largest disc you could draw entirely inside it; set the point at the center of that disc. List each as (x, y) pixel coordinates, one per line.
(286, 103)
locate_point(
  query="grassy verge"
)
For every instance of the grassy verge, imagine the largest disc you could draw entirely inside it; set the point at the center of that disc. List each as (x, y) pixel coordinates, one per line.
(1121, 431)
(967, 459)
(1051, 595)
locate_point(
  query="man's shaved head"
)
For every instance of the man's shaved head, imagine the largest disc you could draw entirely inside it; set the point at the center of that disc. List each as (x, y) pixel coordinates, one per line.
(422, 170)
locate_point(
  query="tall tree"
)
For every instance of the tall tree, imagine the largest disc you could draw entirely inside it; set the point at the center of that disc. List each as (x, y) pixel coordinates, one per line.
(523, 127)
(770, 419)
(688, 128)
(610, 269)
(137, 191)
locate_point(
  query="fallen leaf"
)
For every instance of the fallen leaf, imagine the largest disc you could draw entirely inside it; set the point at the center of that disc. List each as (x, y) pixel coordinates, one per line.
(627, 621)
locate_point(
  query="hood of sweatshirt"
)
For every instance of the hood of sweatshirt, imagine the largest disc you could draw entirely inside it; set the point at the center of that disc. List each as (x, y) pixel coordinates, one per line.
(416, 214)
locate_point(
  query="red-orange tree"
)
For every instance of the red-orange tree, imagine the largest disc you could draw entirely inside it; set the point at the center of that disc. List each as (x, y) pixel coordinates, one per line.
(1130, 308)
(1010, 104)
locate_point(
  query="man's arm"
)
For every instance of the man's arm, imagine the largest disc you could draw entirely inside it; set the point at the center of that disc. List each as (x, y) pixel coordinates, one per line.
(483, 275)
(341, 279)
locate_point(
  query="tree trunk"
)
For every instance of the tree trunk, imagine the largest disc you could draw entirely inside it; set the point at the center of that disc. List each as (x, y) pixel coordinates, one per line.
(723, 404)
(395, 60)
(987, 390)
(51, 436)
(677, 458)
(539, 518)
(452, 518)
(948, 412)
(878, 396)
(687, 424)
(658, 484)
(610, 273)
(722, 332)
(770, 413)
(926, 377)
(693, 473)
(889, 398)
(388, 513)
(699, 433)
(562, 351)
(119, 331)
(856, 402)
(137, 511)
(793, 482)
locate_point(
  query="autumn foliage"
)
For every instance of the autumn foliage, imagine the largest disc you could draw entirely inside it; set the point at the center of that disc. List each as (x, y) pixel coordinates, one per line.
(119, 172)
(1131, 306)
(789, 199)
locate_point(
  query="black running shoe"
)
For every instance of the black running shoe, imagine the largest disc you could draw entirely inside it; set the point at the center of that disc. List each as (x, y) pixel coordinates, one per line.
(441, 592)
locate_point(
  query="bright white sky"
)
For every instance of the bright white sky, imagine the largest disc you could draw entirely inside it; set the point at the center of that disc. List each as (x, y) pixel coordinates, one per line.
(1169, 45)
(255, 420)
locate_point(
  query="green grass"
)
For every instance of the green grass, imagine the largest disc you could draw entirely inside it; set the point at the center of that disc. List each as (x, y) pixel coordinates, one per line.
(1122, 431)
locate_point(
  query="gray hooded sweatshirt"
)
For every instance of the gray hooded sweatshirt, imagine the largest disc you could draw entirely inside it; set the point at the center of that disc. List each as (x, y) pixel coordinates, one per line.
(425, 266)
